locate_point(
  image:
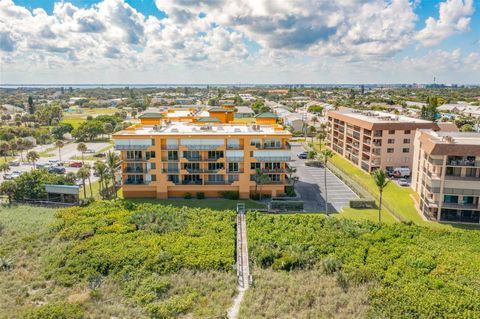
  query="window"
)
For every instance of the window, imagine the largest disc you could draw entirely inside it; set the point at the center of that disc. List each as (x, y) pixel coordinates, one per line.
(173, 178)
(406, 131)
(233, 167)
(391, 141)
(153, 166)
(406, 141)
(405, 150)
(255, 142)
(153, 141)
(389, 150)
(153, 178)
(150, 154)
(232, 178)
(254, 165)
(173, 155)
(391, 132)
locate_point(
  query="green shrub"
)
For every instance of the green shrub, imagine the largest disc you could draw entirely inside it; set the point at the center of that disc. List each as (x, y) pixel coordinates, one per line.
(362, 203)
(331, 265)
(187, 196)
(290, 191)
(255, 196)
(58, 310)
(200, 195)
(233, 195)
(287, 205)
(311, 154)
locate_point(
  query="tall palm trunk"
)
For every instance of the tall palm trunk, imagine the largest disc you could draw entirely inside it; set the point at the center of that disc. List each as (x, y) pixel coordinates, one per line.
(90, 185)
(380, 208)
(326, 190)
(84, 189)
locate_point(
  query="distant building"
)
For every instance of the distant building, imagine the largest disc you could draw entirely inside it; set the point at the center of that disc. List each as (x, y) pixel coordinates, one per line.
(244, 112)
(371, 139)
(446, 175)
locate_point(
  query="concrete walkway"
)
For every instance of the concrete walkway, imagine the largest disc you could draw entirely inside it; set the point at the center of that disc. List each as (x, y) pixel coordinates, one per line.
(243, 268)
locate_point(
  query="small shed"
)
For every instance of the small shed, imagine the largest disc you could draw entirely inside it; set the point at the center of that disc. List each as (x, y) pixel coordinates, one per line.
(63, 193)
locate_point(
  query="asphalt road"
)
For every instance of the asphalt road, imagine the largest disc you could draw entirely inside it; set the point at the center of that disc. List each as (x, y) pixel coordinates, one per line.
(311, 186)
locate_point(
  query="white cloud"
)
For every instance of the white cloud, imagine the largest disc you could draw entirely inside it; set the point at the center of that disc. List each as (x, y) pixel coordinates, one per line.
(111, 40)
(454, 18)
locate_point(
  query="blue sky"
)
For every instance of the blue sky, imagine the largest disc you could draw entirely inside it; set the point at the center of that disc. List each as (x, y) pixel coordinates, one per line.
(239, 41)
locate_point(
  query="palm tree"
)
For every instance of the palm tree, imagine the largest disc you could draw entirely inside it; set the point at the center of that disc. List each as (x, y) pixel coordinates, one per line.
(83, 174)
(112, 163)
(381, 180)
(4, 167)
(8, 188)
(82, 148)
(88, 168)
(59, 144)
(4, 147)
(32, 156)
(260, 179)
(13, 146)
(101, 171)
(326, 153)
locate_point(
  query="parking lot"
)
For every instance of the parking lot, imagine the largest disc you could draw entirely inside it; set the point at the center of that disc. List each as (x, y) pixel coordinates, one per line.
(311, 186)
(67, 152)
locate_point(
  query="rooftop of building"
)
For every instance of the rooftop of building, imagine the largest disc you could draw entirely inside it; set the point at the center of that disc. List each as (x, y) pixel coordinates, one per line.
(208, 119)
(266, 115)
(186, 128)
(220, 109)
(459, 138)
(376, 116)
(151, 115)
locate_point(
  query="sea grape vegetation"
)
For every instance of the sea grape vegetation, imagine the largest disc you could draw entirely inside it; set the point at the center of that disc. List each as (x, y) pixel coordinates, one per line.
(412, 271)
(141, 247)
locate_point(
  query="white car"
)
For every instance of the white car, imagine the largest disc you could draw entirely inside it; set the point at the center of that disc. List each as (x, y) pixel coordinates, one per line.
(14, 163)
(403, 182)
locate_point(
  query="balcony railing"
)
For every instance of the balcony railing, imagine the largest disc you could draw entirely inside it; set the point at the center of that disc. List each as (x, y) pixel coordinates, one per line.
(234, 147)
(235, 158)
(203, 147)
(459, 206)
(194, 158)
(131, 147)
(214, 159)
(129, 159)
(273, 170)
(136, 182)
(461, 163)
(192, 182)
(215, 183)
(235, 172)
(135, 170)
(273, 158)
(194, 170)
(170, 170)
(171, 147)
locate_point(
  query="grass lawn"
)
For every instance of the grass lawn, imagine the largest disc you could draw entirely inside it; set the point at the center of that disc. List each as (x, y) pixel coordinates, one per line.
(396, 197)
(215, 203)
(2, 159)
(78, 118)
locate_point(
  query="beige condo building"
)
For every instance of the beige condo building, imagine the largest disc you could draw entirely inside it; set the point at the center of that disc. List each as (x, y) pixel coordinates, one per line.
(372, 139)
(446, 175)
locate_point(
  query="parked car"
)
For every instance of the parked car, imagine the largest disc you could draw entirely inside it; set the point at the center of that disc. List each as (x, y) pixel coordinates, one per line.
(56, 170)
(12, 175)
(89, 151)
(14, 163)
(55, 162)
(401, 172)
(100, 155)
(75, 164)
(43, 165)
(302, 155)
(403, 182)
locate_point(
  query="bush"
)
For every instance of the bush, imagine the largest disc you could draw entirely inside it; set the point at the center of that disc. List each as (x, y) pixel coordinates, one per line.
(311, 154)
(233, 195)
(200, 195)
(58, 310)
(254, 196)
(287, 205)
(362, 203)
(187, 196)
(290, 191)
(331, 265)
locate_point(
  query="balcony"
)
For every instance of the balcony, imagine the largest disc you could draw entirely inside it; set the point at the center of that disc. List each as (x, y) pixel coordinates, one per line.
(214, 159)
(463, 162)
(459, 206)
(235, 159)
(235, 172)
(132, 170)
(273, 170)
(194, 170)
(234, 147)
(202, 147)
(135, 159)
(170, 170)
(215, 183)
(131, 147)
(135, 182)
(193, 158)
(171, 147)
(170, 159)
(198, 182)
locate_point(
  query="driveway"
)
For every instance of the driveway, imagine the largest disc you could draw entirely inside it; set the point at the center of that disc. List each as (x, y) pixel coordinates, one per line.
(311, 186)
